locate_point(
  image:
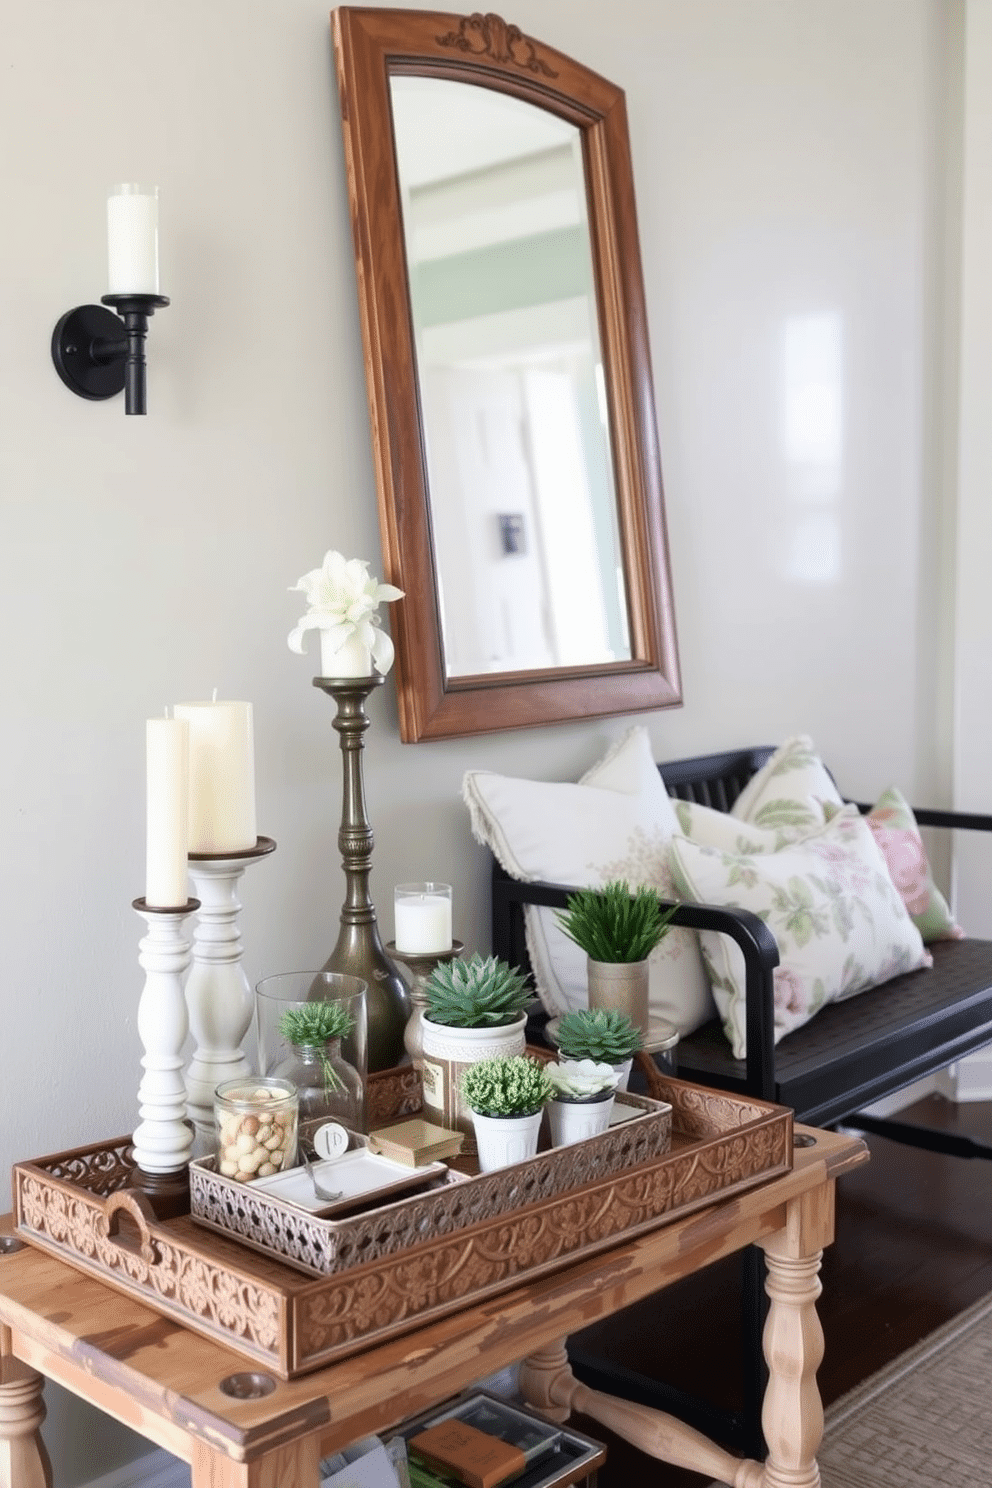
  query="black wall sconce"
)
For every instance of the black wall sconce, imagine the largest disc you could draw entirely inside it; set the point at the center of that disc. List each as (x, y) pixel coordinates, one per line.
(97, 352)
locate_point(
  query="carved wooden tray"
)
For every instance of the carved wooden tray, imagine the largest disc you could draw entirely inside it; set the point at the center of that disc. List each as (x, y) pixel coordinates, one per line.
(79, 1206)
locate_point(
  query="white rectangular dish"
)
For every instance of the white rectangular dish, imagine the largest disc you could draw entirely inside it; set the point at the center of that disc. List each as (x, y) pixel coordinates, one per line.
(360, 1176)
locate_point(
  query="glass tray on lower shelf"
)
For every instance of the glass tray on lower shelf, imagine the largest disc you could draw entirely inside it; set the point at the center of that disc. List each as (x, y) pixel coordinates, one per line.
(554, 1456)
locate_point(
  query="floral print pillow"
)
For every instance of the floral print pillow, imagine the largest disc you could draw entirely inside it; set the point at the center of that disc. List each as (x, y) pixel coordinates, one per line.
(894, 828)
(829, 900)
(789, 793)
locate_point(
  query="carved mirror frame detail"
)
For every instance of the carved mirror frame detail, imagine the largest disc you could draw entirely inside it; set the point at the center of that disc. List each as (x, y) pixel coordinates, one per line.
(370, 46)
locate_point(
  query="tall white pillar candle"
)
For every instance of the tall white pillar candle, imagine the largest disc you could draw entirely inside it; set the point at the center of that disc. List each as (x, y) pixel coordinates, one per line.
(221, 776)
(422, 918)
(132, 239)
(166, 873)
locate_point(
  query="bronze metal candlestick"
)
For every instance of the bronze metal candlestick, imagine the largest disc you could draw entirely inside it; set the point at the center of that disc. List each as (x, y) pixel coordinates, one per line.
(359, 950)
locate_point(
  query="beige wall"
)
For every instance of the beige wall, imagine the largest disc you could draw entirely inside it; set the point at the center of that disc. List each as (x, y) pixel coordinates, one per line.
(791, 159)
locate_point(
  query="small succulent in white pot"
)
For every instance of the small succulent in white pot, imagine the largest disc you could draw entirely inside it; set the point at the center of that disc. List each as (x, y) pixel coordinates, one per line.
(583, 1100)
(582, 1080)
(604, 1034)
(515, 1086)
(342, 604)
(506, 1096)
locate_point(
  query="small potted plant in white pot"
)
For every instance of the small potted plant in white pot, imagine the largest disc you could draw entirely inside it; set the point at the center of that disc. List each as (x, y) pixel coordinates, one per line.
(618, 928)
(583, 1099)
(506, 1096)
(474, 1009)
(604, 1035)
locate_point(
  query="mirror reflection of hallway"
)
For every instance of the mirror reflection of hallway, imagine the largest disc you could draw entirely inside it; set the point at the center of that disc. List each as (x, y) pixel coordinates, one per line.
(510, 371)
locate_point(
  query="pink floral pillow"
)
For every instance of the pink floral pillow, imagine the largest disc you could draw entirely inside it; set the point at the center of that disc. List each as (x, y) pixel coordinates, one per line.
(894, 828)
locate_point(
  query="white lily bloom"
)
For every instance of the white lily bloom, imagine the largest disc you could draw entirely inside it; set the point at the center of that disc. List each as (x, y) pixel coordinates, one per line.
(343, 600)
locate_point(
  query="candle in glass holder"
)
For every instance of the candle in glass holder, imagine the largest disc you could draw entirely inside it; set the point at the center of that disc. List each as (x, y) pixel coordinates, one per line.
(423, 918)
(221, 776)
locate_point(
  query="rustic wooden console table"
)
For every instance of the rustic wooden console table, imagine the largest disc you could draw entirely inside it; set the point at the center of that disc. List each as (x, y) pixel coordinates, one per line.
(164, 1381)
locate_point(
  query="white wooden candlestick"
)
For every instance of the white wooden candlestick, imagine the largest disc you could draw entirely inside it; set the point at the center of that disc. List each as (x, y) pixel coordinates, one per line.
(163, 1140)
(219, 999)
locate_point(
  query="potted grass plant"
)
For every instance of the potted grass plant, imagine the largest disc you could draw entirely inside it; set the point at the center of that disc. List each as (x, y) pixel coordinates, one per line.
(506, 1096)
(605, 1035)
(582, 1101)
(618, 928)
(474, 1009)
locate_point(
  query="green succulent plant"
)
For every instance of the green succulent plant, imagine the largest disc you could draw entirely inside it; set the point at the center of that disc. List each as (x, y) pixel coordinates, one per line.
(616, 923)
(481, 992)
(513, 1085)
(314, 1025)
(316, 1022)
(603, 1034)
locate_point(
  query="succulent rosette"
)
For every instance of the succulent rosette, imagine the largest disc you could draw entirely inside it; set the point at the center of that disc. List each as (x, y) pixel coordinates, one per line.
(580, 1079)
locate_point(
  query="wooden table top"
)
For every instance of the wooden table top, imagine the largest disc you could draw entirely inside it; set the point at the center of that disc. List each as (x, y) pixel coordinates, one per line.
(163, 1380)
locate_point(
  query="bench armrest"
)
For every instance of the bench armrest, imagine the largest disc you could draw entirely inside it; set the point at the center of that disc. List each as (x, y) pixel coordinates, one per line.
(757, 943)
(927, 816)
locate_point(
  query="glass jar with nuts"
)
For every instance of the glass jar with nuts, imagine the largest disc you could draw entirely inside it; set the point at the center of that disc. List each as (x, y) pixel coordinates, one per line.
(256, 1120)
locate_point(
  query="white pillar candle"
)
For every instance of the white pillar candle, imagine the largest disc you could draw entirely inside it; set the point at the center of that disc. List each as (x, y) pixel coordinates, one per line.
(423, 918)
(166, 874)
(132, 239)
(221, 776)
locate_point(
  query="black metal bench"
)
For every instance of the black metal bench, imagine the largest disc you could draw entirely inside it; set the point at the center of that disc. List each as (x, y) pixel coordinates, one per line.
(852, 1054)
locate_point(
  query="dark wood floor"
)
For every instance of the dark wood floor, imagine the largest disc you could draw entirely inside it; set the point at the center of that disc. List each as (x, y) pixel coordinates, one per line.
(913, 1248)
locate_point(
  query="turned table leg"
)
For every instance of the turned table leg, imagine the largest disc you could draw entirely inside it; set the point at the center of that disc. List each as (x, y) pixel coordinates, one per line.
(23, 1459)
(548, 1383)
(792, 1416)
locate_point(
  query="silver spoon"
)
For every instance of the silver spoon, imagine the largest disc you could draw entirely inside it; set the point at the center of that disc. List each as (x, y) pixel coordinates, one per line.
(319, 1190)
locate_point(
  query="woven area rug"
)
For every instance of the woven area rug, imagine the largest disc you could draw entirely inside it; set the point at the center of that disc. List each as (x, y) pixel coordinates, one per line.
(925, 1419)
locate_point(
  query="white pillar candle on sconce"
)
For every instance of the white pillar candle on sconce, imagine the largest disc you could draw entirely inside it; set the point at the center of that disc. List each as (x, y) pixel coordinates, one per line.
(221, 776)
(132, 239)
(167, 769)
(423, 918)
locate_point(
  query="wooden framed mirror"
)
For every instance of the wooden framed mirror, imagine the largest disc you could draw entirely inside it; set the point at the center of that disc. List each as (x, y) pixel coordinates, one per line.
(509, 377)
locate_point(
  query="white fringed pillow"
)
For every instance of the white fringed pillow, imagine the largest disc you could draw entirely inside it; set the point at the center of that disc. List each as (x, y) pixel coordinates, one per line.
(616, 823)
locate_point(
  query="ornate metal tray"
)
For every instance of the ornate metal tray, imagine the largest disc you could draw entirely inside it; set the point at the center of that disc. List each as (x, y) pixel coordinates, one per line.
(79, 1206)
(325, 1246)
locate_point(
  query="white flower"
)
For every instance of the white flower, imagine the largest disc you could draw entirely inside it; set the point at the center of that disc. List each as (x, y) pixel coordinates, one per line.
(343, 600)
(582, 1077)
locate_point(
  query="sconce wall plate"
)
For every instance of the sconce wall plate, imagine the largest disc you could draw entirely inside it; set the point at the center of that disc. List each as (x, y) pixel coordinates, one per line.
(97, 353)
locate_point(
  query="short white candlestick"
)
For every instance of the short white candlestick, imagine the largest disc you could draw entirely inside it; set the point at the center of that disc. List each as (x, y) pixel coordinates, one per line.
(219, 998)
(163, 1140)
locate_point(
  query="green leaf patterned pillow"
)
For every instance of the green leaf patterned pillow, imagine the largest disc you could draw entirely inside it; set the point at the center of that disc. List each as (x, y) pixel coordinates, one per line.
(840, 923)
(789, 793)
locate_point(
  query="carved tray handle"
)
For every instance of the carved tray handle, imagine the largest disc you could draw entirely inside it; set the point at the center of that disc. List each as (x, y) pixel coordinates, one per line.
(128, 1202)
